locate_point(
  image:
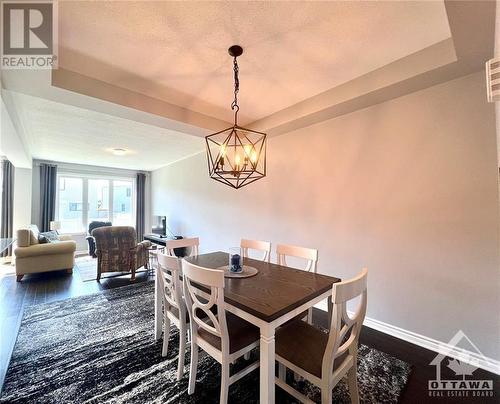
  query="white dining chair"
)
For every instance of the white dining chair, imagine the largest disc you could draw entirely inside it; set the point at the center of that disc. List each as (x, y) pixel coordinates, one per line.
(174, 307)
(325, 359)
(309, 254)
(192, 243)
(224, 336)
(258, 245)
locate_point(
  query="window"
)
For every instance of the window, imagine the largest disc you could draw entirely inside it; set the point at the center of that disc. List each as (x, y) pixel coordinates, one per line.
(83, 199)
(122, 203)
(1, 189)
(98, 200)
(70, 203)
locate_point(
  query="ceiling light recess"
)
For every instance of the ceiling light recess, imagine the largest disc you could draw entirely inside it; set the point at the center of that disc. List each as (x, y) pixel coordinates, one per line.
(119, 152)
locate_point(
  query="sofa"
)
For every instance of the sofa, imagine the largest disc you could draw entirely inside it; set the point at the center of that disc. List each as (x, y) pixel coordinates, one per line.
(34, 257)
(117, 250)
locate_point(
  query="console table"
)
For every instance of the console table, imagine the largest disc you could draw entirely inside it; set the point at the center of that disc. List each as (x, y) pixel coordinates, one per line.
(162, 240)
(155, 238)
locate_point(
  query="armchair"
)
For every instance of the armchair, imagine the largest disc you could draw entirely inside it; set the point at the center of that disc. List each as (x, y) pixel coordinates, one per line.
(90, 239)
(117, 250)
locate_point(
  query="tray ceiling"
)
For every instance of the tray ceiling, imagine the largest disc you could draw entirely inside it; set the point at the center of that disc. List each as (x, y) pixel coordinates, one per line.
(177, 51)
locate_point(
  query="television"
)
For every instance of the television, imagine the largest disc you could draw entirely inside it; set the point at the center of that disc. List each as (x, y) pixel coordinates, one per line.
(159, 225)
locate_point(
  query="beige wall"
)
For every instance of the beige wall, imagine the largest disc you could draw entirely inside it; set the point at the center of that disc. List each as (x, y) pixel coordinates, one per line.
(407, 188)
(497, 55)
(497, 104)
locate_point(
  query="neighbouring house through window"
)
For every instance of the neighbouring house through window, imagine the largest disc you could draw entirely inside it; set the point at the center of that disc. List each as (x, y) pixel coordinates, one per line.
(83, 199)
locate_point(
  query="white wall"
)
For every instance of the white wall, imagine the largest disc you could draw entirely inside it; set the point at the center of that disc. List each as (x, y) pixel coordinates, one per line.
(13, 148)
(407, 188)
(11, 144)
(22, 197)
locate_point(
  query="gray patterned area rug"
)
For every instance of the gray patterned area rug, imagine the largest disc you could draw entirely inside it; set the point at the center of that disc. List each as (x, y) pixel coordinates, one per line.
(100, 349)
(87, 269)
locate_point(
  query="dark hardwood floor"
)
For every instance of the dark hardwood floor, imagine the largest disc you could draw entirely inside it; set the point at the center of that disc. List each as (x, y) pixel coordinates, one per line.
(47, 287)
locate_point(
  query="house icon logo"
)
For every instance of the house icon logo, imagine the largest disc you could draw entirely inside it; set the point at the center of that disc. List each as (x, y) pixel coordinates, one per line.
(455, 367)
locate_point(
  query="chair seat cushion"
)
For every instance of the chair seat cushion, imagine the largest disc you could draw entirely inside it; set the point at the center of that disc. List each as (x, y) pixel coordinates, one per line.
(241, 334)
(304, 345)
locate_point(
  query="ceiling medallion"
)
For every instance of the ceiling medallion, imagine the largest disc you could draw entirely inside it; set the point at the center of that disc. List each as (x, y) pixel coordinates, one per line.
(236, 156)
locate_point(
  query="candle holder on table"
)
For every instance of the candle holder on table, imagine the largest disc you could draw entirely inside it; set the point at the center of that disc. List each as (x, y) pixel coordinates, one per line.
(235, 260)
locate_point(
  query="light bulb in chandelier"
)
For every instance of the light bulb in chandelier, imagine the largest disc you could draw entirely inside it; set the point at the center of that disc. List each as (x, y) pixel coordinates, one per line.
(237, 162)
(254, 157)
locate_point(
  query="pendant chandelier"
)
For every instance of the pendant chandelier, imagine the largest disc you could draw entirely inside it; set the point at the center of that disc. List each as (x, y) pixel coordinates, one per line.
(236, 156)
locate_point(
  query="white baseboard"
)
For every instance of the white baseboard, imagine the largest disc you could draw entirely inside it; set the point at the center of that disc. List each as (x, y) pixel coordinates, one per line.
(463, 355)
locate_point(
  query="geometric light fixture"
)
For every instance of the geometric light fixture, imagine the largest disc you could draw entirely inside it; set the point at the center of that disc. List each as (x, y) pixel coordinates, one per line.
(236, 156)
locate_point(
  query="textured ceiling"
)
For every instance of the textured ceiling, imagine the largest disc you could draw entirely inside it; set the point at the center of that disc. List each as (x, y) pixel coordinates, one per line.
(177, 51)
(59, 132)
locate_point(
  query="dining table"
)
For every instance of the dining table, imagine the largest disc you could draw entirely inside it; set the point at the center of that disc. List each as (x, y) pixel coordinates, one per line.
(275, 295)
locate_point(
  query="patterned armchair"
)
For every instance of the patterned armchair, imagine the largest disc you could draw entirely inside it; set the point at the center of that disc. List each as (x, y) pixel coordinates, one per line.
(90, 239)
(117, 250)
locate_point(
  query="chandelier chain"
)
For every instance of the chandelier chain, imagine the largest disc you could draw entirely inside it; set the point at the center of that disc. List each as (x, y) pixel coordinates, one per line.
(234, 105)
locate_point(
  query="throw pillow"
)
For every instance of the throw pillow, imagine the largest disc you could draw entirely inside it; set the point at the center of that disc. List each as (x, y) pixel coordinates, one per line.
(42, 239)
(34, 234)
(51, 236)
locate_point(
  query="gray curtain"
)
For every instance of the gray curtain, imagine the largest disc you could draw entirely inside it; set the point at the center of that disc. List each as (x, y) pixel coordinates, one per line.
(6, 229)
(48, 184)
(141, 202)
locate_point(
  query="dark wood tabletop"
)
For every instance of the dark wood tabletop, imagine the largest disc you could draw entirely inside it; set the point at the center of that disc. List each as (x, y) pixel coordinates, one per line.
(273, 292)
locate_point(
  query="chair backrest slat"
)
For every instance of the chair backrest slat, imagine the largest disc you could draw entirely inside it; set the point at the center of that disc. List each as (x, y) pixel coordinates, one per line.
(344, 330)
(258, 245)
(169, 273)
(192, 243)
(348, 290)
(210, 278)
(309, 254)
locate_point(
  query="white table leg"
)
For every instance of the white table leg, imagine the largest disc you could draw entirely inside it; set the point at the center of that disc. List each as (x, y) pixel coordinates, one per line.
(158, 307)
(267, 358)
